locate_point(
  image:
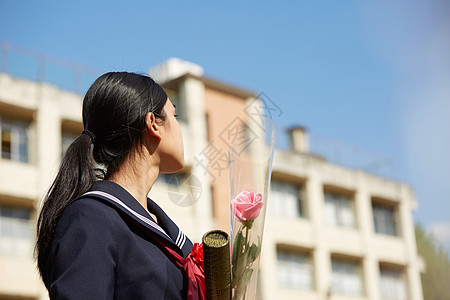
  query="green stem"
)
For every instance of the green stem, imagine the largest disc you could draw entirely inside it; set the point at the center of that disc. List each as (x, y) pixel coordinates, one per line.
(238, 284)
(246, 238)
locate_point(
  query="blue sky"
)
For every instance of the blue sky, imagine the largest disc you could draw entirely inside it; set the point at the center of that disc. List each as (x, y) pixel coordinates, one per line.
(371, 74)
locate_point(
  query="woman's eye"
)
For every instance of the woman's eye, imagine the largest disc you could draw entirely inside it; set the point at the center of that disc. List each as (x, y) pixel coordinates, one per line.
(176, 116)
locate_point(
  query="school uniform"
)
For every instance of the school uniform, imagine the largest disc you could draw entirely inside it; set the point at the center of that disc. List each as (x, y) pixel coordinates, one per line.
(104, 248)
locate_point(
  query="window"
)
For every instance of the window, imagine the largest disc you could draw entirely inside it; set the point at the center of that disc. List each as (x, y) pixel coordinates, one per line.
(384, 219)
(67, 138)
(15, 231)
(14, 139)
(339, 210)
(346, 277)
(70, 131)
(294, 269)
(392, 283)
(285, 199)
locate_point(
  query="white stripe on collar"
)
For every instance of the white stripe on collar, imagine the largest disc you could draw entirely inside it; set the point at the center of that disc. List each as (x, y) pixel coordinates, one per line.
(181, 239)
(178, 236)
(139, 216)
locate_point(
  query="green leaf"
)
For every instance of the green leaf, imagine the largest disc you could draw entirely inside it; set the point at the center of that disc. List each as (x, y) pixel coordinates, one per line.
(240, 266)
(259, 246)
(237, 247)
(253, 253)
(241, 283)
(247, 276)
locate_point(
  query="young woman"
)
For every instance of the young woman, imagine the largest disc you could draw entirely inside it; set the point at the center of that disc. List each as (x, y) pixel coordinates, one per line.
(98, 235)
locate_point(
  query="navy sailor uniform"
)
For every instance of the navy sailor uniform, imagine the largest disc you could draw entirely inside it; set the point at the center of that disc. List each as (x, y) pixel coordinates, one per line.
(100, 249)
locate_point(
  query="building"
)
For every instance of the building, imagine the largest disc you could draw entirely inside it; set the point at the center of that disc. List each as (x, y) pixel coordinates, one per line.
(331, 232)
(337, 233)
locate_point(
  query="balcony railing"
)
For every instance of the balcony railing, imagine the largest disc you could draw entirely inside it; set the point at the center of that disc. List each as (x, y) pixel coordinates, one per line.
(343, 154)
(40, 67)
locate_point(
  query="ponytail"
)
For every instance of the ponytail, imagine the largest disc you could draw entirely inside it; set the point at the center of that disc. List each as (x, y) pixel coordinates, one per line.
(75, 177)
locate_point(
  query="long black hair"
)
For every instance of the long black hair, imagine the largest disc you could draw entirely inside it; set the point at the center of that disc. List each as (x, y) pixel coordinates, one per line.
(114, 110)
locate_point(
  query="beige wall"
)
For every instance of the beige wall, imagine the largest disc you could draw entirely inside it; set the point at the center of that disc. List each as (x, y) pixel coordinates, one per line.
(221, 109)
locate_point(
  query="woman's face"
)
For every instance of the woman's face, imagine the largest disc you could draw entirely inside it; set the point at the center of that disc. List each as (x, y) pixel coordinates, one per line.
(171, 149)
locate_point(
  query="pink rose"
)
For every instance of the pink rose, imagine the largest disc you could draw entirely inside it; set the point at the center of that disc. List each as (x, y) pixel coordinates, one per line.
(247, 205)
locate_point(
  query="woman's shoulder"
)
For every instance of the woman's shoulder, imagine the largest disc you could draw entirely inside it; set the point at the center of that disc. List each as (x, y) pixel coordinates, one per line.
(87, 202)
(87, 206)
(87, 213)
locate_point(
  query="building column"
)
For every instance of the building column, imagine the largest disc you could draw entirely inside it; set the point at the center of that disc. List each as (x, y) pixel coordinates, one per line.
(46, 149)
(48, 137)
(321, 255)
(412, 271)
(364, 216)
(192, 91)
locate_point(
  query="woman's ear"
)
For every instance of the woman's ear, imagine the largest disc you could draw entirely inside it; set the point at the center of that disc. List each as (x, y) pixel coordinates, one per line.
(152, 126)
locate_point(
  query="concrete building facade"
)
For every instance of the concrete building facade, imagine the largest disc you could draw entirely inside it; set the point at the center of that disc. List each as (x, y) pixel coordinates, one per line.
(331, 232)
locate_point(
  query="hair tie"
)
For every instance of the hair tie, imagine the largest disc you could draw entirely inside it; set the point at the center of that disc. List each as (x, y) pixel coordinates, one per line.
(89, 134)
